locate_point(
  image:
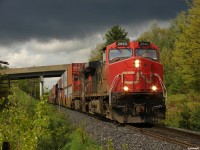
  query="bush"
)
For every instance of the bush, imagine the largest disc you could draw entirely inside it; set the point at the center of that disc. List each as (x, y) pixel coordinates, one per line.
(185, 120)
(195, 120)
(183, 111)
(29, 124)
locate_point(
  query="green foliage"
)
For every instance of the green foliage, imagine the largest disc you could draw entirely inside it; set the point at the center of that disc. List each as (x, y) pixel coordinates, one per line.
(81, 141)
(116, 34)
(124, 146)
(191, 112)
(30, 86)
(16, 124)
(185, 118)
(4, 89)
(58, 134)
(29, 124)
(187, 54)
(177, 84)
(96, 53)
(110, 145)
(183, 111)
(195, 121)
(155, 35)
(3, 67)
(190, 119)
(174, 104)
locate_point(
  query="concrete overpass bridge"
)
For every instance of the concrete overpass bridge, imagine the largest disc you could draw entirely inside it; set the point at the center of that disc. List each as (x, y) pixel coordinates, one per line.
(35, 72)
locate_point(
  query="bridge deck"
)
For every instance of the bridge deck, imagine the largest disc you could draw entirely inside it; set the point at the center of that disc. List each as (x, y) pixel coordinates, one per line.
(35, 72)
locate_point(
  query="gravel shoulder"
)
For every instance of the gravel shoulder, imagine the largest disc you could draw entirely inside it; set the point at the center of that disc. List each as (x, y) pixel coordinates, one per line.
(102, 131)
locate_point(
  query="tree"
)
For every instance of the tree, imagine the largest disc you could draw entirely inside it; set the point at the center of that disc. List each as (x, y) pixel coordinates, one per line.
(155, 35)
(187, 53)
(30, 86)
(3, 67)
(96, 53)
(116, 34)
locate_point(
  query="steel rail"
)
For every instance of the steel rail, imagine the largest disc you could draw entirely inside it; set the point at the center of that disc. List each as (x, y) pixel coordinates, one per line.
(165, 138)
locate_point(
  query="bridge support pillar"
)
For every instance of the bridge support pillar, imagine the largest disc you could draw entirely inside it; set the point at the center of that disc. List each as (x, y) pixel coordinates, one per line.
(41, 86)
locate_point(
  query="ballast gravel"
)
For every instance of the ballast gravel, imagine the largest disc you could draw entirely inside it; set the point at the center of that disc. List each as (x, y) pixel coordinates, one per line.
(103, 131)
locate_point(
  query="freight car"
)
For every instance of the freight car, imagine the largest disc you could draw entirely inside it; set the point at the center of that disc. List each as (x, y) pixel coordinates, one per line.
(125, 86)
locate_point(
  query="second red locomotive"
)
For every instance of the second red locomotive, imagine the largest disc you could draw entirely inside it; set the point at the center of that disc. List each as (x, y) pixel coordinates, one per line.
(125, 86)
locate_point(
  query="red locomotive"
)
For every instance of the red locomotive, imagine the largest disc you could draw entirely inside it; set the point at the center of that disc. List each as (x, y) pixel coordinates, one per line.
(126, 86)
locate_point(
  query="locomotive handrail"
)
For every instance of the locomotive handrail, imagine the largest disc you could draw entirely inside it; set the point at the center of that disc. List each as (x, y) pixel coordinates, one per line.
(162, 85)
(112, 85)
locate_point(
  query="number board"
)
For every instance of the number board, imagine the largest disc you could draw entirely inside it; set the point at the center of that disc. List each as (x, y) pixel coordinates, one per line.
(144, 43)
(122, 44)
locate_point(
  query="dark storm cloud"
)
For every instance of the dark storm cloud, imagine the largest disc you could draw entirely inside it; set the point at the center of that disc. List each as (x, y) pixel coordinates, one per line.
(63, 19)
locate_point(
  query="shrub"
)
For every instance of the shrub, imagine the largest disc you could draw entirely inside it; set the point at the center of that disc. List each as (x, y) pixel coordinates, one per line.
(81, 141)
(29, 124)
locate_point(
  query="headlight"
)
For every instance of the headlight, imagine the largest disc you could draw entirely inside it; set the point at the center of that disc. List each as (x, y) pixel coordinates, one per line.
(154, 88)
(125, 88)
(137, 63)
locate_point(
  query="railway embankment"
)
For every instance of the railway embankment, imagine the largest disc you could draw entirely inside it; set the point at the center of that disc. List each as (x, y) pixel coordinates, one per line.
(121, 136)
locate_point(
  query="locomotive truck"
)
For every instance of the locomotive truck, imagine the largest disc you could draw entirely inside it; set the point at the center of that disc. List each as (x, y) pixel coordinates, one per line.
(125, 86)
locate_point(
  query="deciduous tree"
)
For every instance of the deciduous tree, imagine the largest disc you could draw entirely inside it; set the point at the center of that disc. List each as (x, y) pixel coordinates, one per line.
(96, 52)
(187, 46)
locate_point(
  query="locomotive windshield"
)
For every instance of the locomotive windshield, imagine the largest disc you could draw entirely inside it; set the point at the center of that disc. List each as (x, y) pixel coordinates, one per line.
(119, 54)
(147, 53)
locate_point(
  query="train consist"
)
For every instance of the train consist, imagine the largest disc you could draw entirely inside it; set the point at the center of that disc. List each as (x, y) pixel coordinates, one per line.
(125, 86)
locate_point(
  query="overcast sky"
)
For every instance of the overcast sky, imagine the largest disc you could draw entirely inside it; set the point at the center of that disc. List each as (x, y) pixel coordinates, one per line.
(50, 32)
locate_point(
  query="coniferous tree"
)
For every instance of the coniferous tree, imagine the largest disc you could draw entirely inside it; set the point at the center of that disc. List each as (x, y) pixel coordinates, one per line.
(116, 34)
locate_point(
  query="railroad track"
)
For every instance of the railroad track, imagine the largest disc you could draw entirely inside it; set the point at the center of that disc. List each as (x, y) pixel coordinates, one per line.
(182, 138)
(179, 137)
(188, 140)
